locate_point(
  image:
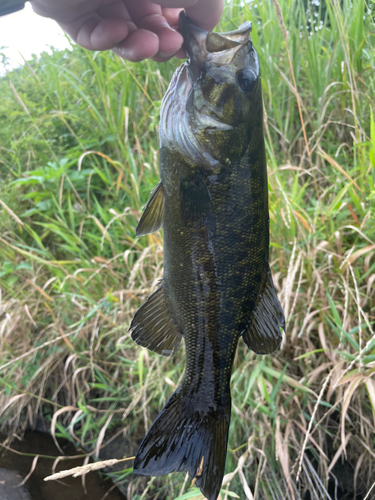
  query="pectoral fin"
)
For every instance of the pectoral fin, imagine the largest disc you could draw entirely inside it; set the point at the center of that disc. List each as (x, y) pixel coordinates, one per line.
(195, 197)
(263, 334)
(153, 327)
(152, 217)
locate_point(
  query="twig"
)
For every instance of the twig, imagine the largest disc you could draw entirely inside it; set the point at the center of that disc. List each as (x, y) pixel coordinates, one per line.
(84, 469)
(311, 424)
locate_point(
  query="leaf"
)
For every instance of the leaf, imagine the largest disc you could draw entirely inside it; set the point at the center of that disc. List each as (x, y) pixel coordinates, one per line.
(33, 465)
(54, 420)
(287, 380)
(362, 251)
(310, 353)
(283, 456)
(345, 405)
(303, 220)
(194, 493)
(370, 386)
(229, 493)
(338, 167)
(40, 290)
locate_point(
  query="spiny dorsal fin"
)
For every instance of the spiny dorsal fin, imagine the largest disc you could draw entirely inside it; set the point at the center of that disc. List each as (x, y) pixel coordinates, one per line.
(263, 334)
(152, 217)
(153, 327)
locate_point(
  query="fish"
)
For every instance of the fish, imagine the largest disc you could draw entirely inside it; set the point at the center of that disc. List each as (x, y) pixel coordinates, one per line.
(212, 202)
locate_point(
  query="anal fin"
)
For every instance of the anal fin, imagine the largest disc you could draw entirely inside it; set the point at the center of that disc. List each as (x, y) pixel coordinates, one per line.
(153, 326)
(263, 334)
(152, 217)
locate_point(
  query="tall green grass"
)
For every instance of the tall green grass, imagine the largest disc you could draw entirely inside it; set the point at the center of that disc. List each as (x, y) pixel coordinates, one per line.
(78, 159)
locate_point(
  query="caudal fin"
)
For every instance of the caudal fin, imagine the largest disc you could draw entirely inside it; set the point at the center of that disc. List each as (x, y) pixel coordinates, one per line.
(187, 437)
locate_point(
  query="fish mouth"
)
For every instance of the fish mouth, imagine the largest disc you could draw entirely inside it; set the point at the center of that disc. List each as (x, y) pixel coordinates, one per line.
(203, 47)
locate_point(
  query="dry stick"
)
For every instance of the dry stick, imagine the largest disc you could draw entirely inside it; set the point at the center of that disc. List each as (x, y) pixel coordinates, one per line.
(33, 465)
(84, 469)
(311, 423)
(369, 491)
(49, 457)
(359, 318)
(11, 213)
(184, 484)
(109, 491)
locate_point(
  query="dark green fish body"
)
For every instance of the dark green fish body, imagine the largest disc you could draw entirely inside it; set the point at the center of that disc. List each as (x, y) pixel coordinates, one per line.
(213, 204)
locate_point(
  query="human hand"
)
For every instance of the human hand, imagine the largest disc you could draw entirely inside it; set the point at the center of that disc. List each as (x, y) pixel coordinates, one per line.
(133, 29)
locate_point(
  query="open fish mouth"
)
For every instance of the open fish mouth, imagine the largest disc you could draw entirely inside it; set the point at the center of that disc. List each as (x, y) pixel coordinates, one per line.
(202, 46)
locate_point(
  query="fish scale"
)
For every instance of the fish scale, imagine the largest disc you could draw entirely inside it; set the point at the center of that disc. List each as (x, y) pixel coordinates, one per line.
(212, 202)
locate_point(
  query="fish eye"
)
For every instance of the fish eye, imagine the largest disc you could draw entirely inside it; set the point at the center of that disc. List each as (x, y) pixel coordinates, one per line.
(247, 80)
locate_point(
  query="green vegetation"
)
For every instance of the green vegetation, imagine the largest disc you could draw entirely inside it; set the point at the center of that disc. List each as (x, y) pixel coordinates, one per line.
(78, 158)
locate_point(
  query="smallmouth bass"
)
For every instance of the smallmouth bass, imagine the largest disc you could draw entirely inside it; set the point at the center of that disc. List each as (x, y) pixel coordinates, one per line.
(212, 201)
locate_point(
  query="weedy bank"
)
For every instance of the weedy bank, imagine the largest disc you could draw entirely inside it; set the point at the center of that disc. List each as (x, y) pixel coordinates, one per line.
(78, 159)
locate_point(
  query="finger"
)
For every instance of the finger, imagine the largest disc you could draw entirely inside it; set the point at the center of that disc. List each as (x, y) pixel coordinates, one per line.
(175, 4)
(94, 33)
(62, 12)
(115, 10)
(171, 16)
(138, 45)
(180, 54)
(170, 41)
(139, 9)
(206, 13)
(160, 59)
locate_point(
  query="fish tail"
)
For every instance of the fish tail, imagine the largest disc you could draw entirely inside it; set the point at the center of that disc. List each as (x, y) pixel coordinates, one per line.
(188, 435)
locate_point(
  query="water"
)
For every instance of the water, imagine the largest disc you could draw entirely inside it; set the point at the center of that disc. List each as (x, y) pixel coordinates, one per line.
(66, 489)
